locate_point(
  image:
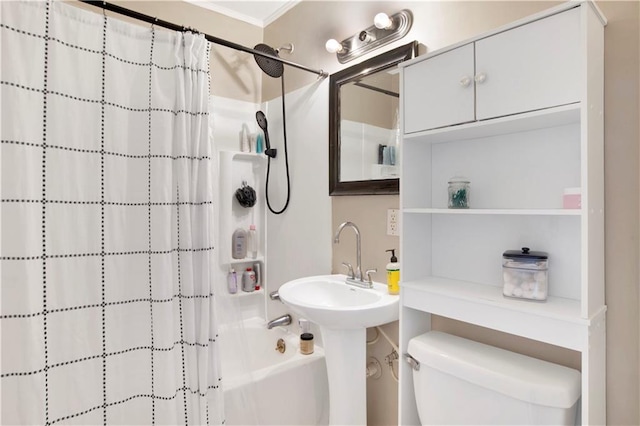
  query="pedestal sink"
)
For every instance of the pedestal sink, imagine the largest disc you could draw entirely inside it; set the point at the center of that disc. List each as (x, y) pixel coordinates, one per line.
(343, 312)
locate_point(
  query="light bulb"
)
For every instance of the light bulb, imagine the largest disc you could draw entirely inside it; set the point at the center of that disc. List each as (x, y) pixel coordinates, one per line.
(382, 21)
(332, 45)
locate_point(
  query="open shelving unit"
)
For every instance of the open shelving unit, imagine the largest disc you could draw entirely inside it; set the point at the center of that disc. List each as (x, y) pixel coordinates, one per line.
(235, 168)
(520, 147)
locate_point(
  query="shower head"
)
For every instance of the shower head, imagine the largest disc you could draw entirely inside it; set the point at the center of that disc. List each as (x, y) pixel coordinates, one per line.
(272, 68)
(262, 122)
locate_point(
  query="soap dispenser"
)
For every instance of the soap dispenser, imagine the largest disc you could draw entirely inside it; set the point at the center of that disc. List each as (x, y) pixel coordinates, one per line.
(393, 273)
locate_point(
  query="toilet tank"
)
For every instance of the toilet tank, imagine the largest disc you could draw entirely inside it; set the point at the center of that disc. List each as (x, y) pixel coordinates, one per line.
(460, 381)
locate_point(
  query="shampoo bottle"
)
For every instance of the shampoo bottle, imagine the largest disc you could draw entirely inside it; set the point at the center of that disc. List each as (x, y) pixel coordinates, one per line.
(239, 244)
(245, 146)
(232, 281)
(248, 280)
(252, 242)
(258, 271)
(393, 273)
(259, 148)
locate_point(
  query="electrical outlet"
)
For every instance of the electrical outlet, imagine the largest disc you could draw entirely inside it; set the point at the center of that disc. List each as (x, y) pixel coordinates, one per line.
(393, 222)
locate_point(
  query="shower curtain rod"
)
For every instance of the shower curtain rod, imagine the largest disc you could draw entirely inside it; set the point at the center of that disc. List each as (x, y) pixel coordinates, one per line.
(170, 25)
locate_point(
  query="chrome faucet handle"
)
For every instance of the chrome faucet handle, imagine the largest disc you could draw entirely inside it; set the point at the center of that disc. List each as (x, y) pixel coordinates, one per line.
(351, 274)
(369, 272)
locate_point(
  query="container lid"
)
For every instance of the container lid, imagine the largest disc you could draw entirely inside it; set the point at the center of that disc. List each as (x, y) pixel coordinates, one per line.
(306, 336)
(572, 191)
(459, 179)
(525, 254)
(515, 375)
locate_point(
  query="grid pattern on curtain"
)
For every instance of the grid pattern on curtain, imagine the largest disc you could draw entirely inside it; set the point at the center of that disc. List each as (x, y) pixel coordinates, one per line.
(107, 304)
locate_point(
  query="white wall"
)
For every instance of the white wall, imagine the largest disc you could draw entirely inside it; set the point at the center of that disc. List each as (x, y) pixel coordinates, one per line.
(299, 240)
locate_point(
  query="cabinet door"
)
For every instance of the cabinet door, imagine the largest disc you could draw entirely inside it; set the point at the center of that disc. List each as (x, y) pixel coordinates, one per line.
(530, 67)
(438, 91)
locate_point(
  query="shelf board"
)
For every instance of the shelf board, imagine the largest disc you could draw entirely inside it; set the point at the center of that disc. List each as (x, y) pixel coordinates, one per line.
(557, 321)
(243, 294)
(245, 260)
(525, 212)
(239, 155)
(545, 118)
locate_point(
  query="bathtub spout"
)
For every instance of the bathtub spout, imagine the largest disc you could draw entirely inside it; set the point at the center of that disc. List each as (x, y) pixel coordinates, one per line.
(281, 320)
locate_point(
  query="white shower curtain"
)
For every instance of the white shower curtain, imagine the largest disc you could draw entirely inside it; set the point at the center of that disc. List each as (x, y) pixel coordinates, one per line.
(107, 221)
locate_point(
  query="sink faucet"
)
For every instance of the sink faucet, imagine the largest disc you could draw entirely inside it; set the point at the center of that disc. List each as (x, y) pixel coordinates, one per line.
(281, 320)
(356, 278)
(336, 239)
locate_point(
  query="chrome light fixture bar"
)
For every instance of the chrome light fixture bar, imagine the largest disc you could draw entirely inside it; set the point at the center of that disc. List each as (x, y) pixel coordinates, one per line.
(374, 37)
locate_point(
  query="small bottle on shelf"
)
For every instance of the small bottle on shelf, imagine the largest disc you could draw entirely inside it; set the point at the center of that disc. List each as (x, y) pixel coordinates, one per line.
(248, 281)
(252, 242)
(257, 270)
(239, 244)
(232, 281)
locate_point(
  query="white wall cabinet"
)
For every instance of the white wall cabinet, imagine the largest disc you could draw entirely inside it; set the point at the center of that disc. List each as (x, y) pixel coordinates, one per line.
(533, 66)
(537, 132)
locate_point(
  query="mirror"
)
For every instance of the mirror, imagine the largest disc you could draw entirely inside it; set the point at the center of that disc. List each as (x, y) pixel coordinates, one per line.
(364, 132)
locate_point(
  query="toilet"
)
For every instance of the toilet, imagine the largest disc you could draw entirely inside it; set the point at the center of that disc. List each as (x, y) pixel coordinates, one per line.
(459, 381)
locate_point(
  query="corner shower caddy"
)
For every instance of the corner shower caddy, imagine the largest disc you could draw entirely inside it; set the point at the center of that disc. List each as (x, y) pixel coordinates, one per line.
(236, 167)
(519, 111)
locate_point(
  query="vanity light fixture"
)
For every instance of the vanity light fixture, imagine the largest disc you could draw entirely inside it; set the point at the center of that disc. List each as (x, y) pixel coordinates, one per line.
(385, 30)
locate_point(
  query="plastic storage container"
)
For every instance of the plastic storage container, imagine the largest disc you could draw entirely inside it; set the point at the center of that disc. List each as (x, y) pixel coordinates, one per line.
(572, 198)
(525, 274)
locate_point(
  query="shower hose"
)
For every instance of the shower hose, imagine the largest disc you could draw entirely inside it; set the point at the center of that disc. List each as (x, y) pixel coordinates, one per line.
(286, 160)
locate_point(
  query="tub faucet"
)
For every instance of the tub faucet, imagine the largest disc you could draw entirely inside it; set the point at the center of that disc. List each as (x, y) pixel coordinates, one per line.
(356, 277)
(281, 320)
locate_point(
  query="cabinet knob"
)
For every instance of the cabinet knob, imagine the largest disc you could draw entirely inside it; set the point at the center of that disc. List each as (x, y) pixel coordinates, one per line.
(465, 81)
(480, 78)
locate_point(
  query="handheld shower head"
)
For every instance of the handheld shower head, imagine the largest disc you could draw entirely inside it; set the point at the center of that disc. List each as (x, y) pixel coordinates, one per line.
(262, 122)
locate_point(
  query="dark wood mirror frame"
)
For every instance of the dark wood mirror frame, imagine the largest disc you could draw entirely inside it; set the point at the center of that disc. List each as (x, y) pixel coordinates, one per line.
(362, 187)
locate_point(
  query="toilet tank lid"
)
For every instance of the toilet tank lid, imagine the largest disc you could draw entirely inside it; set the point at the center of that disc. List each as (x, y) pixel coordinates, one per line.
(515, 375)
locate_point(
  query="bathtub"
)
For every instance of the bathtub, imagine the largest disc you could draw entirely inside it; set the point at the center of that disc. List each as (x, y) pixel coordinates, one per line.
(265, 387)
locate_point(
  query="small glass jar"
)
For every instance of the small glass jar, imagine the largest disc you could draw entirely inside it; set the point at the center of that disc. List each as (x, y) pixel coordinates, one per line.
(458, 193)
(306, 343)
